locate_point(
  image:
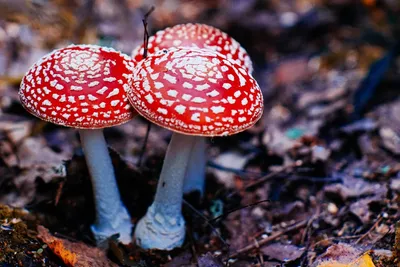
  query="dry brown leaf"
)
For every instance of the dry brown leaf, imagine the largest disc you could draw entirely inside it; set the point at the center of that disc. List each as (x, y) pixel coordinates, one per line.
(232, 160)
(74, 254)
(282, 252)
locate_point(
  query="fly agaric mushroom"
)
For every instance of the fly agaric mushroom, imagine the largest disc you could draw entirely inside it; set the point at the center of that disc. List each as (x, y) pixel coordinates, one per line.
(83, 86)
(196, 35)
(193, 92)
(200, 36)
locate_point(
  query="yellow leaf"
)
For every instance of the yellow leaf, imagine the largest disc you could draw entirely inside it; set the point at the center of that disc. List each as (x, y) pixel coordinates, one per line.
(363, 261)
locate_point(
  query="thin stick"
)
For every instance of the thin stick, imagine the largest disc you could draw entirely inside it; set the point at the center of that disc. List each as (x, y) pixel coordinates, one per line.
(236, 209)
(143, 150)
(207, 222)
(146, 45)
(270, 238)
(262, 179)
(268, 177)
(192, 246)
(370, 230)
(146, 33)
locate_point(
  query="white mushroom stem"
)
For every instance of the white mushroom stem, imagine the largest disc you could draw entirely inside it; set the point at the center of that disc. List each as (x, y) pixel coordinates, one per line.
(195, 176)
(111, 215)
(163, 226)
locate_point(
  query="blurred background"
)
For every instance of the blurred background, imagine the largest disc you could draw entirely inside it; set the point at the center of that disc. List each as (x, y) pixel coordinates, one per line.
(329, 71)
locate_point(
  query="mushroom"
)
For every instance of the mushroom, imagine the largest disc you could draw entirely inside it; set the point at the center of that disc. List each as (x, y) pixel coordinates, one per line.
(195, 93)
(83, 86)
(199, 36)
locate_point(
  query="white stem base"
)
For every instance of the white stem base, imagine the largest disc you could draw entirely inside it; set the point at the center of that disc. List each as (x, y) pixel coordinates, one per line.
(195, 175)
(163, 226)
(154, 232)
(121, 224)
(111, 215)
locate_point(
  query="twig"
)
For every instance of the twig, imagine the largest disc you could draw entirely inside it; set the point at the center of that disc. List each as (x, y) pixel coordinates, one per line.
(313, 218)
(59, 192)
(146, 33)
(334, 238)
(143, 150)
(370, 230)
(261, 180)
(146, 37)
(192, 246)
(270, 238)
(207, 222)
(236, 209)
(267, 177)
(307, 234)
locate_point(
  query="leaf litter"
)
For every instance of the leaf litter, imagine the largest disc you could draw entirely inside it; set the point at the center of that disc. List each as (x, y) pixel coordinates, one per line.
(324, 154)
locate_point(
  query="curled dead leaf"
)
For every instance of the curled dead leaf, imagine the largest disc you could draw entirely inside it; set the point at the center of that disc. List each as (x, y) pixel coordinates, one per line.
(74, 254)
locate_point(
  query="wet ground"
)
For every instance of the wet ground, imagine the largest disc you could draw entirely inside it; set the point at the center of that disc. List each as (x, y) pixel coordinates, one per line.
(316, 179)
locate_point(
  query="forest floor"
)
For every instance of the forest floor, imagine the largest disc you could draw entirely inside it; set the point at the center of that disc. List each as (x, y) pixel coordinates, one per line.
(316, 182)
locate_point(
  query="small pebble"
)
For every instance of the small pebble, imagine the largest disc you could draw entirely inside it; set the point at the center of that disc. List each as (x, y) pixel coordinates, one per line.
(332, 208)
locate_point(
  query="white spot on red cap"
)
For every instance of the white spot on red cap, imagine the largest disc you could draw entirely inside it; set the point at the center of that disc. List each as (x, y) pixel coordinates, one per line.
(158, 85)
(47, 102)
(213, 93)
(169, 78)
(172, 93)
(198, 99)
(227, 85)
(187, 85)
(115, 102)
(186, 97)
(149, 98)
(195, 117)
(218, 109)
(76, 88)
(102, 90)
(162, 111)
(180, 109)
(202, 87)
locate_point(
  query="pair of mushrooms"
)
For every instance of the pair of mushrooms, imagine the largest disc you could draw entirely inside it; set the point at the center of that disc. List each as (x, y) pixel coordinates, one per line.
(196, 82)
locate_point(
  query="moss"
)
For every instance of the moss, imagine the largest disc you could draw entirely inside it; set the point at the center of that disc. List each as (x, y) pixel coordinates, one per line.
(18, 246)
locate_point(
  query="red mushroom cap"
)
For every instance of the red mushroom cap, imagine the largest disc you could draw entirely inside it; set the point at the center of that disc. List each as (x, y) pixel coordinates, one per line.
(80, 86)
(200, 36)
(196, 92)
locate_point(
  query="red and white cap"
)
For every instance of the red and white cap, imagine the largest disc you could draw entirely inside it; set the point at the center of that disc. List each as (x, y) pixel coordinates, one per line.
(80, 86)
(196, 92)
(200, 36)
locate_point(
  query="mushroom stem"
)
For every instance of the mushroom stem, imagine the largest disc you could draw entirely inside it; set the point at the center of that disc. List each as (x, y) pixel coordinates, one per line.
(111, 215)
(195, 177)
(163, 226)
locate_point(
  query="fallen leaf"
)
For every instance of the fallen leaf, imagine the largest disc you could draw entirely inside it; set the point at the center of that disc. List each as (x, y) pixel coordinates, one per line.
(344, 255)
(282, 252)
(74, 254)
(352, 188)
(363, 261)
(229, 160)
(207, 260)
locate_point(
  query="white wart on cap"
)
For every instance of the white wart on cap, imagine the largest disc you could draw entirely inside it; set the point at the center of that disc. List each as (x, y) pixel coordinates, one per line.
(200, 36)
(80, 86)
(196, 92)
